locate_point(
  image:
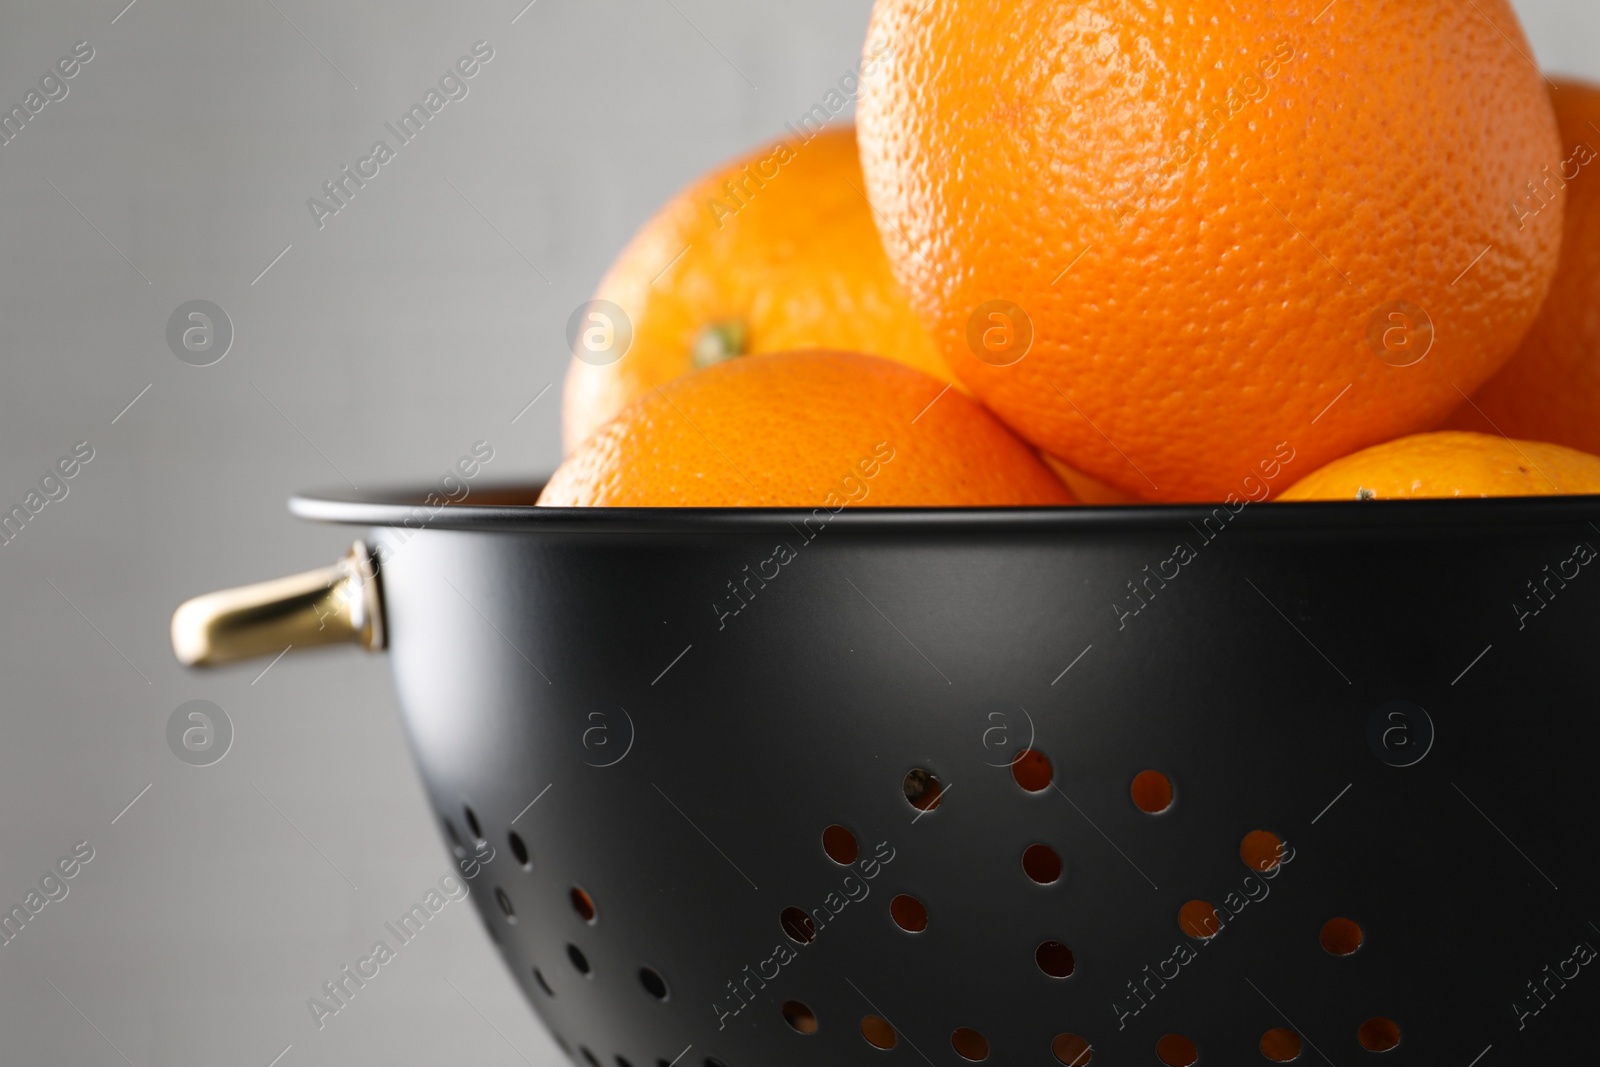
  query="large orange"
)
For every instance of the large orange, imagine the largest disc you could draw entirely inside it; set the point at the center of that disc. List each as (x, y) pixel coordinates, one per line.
(773, 252)
(1211, 212)
(1452, 463)
(1551, 387)
(803, 429)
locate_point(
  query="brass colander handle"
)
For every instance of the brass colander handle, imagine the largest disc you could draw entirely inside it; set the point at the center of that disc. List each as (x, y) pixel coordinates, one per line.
(336, 605)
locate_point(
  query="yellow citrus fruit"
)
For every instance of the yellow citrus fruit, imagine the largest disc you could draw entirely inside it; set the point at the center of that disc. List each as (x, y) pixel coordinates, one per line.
(776, 251)
(1160, 239)
(1452, 463)
(804, 429)
(1551, 387)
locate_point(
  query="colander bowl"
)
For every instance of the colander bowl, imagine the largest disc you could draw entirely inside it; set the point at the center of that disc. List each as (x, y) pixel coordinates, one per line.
(1155, 785)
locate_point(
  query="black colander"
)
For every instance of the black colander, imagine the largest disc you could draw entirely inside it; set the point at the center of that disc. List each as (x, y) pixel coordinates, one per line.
(1158, 785)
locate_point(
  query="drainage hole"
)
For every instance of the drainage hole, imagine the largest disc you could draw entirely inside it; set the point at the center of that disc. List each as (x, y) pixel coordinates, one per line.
(1341, 937)
(653, 983)
(1175, 1050)
(1042, 864)
(1280, 1045)
(579, 960)
(505, 904)
(1199, 920)
(583, 904)
(801, 1019)
(969, 1044)
(909, 913)
(519, 849)
(1072, 1050)
(1261, 850)
(800, 927)
(922, 789)
(1032, 770)
(1054, 959)
(840, 845)
(878, 1032)
(1378, 1034)
(1152, 792)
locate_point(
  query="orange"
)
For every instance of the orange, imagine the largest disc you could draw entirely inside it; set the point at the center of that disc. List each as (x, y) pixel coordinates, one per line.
(1086, 489)
(1160, 240)
(1551, 387)
(803, 429)
(773, 252)
(1452, 463)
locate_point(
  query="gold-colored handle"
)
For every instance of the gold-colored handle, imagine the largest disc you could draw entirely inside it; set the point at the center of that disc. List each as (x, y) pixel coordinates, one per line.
(336, 605)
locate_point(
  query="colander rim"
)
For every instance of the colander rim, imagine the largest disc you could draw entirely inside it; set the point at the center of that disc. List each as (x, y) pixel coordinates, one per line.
(485, 509)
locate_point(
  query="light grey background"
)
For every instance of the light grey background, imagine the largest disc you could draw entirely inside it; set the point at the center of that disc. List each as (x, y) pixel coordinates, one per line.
(423, 317)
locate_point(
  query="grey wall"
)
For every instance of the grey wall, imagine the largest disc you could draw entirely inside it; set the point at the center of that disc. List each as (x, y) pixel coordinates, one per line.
(422, 317)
